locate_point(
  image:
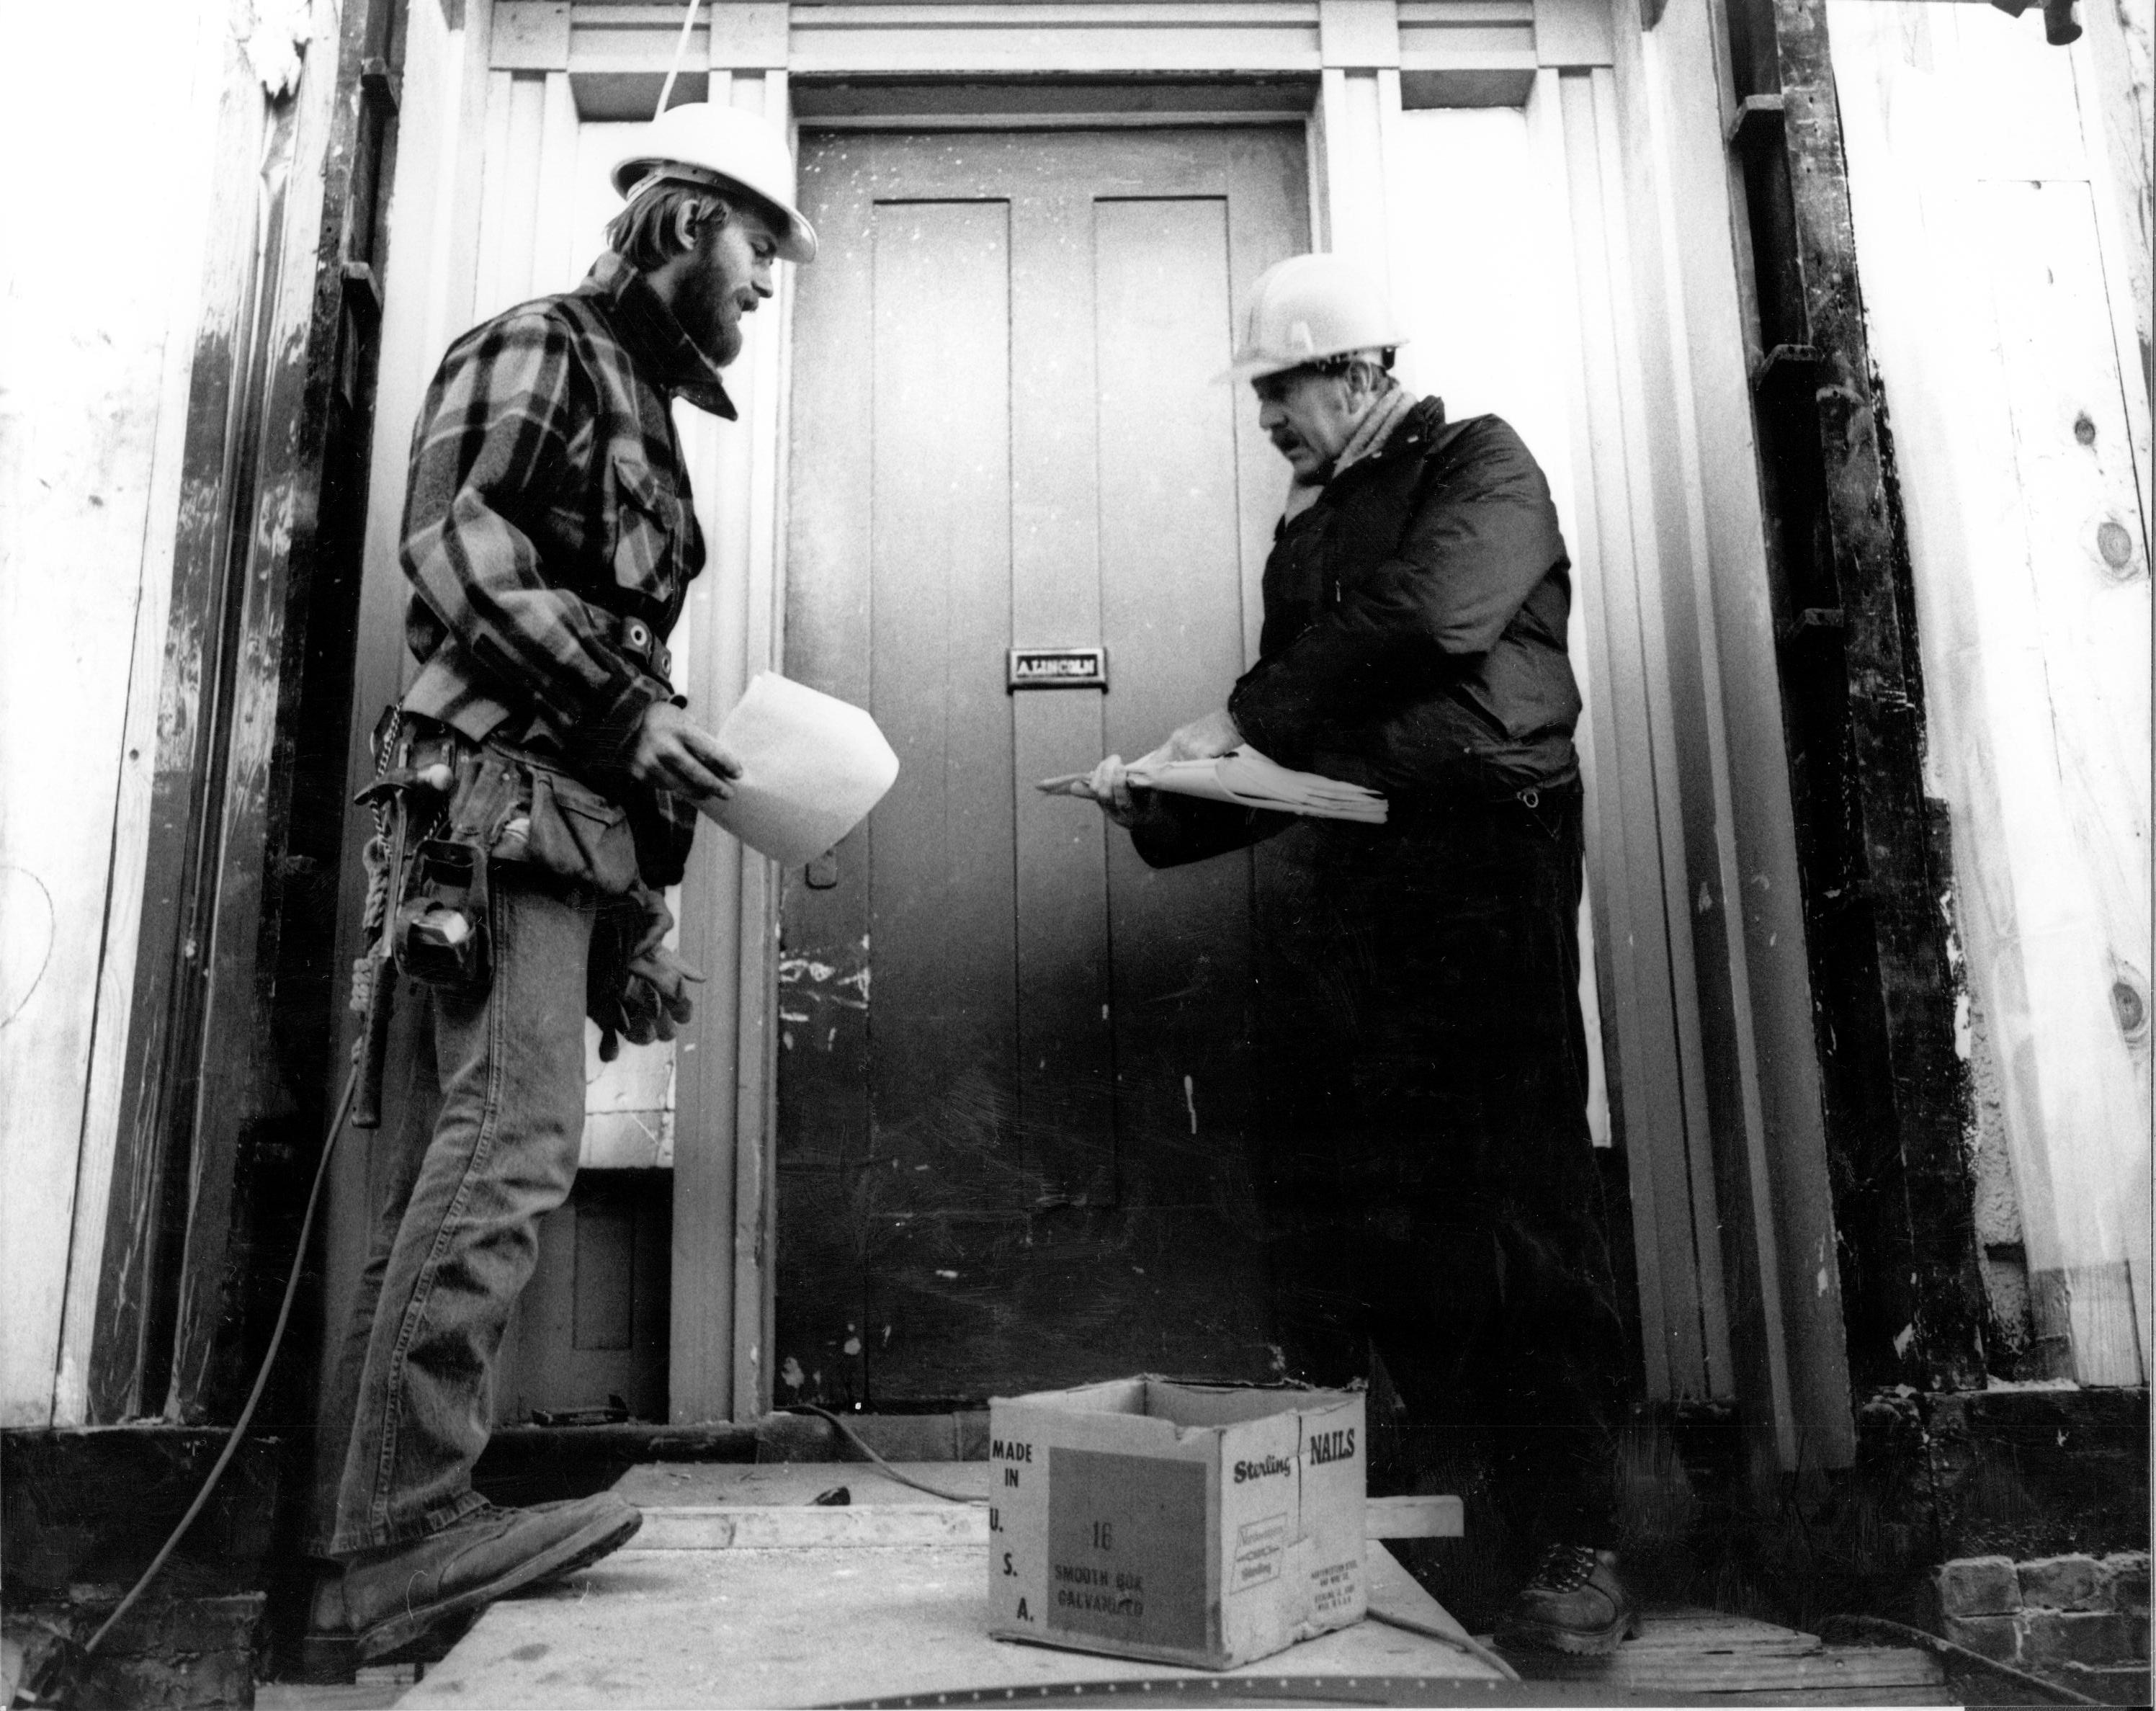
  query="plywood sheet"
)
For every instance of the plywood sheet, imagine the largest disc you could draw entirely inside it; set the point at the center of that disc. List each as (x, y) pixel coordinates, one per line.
(811, 1626)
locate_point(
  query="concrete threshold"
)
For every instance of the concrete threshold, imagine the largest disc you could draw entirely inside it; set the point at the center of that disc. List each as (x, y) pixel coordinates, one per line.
(743, 1590)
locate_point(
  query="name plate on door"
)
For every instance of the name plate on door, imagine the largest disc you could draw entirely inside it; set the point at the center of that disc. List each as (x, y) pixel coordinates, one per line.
(1057, 668)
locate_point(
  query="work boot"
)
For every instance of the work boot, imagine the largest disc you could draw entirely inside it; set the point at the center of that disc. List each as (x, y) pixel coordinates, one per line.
(385, 1599)
(1575, 1603)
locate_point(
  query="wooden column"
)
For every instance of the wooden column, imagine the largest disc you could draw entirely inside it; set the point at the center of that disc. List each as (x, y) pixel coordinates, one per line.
(236, 989)
(1742, 889)
(93, 424)
(724, 1192)
(1911, 1206)
(434, 235)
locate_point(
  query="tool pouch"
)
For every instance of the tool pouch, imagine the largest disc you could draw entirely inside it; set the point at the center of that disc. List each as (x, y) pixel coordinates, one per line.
(577, 835)
(440, 933)
(501, 806)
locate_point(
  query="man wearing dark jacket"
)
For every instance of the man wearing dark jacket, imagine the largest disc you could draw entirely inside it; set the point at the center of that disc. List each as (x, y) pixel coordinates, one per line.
(1426, 1142)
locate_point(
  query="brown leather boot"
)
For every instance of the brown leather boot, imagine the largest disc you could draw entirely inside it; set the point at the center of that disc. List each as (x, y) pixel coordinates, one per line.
(1575, 1603)
(385, 1599)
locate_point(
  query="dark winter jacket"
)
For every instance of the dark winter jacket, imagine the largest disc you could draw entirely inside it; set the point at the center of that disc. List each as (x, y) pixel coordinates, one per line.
(1414, 628)
(1414, 638)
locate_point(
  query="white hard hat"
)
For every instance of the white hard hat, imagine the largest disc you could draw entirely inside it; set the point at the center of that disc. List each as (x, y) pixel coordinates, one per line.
(1308, 308)
(699, 143)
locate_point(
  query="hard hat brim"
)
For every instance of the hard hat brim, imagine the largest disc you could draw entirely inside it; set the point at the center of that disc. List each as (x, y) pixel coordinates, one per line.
(796, 237)
(1257, 367)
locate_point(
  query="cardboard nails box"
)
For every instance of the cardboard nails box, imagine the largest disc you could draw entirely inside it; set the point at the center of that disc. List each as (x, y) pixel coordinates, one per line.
(1204, 1524)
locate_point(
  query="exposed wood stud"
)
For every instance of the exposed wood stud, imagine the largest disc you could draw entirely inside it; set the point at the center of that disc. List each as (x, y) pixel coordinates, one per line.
(1907, 1198)
(234, 1002)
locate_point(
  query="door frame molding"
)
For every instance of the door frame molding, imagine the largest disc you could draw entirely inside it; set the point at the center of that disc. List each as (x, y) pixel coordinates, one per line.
(744, 1178)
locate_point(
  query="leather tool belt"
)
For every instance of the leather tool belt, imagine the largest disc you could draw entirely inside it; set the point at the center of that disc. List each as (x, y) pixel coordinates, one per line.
(456, 809)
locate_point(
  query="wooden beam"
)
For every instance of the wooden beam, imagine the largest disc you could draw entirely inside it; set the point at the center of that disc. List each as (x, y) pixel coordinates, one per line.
(195, 187)
(530, 35)
(1573, 34)
(1926, 1090)
(723, 1191)
(1473, 47)
(88, 440)
(434, 218)
(749, 1526)
(1362, 33)
(239, 886)
(1749, 945)
(255, 1024)
(128, 1349)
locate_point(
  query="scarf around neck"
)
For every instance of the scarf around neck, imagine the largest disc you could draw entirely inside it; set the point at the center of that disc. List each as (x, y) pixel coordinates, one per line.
(1385, 414)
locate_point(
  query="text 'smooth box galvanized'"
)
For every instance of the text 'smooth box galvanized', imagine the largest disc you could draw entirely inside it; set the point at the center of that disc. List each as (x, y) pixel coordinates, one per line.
(1205, 1524)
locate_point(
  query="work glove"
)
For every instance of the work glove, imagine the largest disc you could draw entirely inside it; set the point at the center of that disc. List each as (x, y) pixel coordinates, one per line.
(638, 988)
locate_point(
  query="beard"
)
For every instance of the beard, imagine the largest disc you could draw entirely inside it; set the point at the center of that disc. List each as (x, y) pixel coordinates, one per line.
(704, 308)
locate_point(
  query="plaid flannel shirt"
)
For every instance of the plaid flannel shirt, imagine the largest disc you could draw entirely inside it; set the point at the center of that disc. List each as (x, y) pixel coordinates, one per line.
(548, 512)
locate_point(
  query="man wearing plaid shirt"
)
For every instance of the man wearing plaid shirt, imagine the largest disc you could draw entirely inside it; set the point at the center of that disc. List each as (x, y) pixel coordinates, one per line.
(549, 542)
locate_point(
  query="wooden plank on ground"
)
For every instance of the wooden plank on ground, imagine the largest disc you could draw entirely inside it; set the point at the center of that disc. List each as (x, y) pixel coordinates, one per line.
(735, 1506)
(816, 1627)
(1708, 1652)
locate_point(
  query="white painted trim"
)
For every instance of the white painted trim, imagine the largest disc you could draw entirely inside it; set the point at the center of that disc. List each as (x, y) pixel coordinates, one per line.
(428, 285)
(1597, 725)
(1103, 118)
(1315, 141)
(1646, 546)
(1479, 46)
(724, 1127)
(1727, 927)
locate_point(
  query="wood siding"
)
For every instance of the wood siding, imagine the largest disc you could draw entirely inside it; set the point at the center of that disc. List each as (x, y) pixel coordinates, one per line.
(2005, 279)
(91, 419)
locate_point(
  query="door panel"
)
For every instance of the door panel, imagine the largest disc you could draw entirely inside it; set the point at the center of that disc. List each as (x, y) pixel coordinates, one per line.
(1011, 1140)
(942, 1068)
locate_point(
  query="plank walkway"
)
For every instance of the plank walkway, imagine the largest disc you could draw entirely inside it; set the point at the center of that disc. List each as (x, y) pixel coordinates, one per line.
(742, 1590)
(1738, 1661)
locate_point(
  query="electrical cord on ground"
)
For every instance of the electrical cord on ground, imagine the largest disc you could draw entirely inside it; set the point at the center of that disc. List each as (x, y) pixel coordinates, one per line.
(1877, 1627)
(1459, 1643)
(69, 1656)
(855, 1439)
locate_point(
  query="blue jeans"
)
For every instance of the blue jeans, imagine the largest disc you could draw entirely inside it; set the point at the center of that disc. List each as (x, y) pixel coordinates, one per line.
(474, 1171)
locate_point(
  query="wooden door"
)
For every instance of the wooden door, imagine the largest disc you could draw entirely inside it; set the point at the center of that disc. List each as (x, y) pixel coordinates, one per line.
(1011, 1125)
